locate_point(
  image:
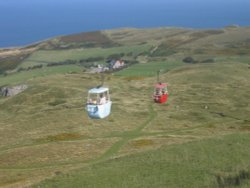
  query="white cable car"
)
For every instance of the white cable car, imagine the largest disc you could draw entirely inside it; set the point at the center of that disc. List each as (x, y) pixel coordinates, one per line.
(98, 103)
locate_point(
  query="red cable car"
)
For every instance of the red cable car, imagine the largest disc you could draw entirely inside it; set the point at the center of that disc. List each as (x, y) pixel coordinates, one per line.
(161, 92)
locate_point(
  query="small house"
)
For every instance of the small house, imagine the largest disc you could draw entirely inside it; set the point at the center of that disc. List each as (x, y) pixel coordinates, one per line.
(116, 64)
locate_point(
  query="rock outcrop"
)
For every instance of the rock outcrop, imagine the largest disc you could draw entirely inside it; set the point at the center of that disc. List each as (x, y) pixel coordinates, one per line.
(11, 91)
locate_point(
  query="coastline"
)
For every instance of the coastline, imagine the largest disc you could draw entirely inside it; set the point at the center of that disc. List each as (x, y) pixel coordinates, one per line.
(118, 28)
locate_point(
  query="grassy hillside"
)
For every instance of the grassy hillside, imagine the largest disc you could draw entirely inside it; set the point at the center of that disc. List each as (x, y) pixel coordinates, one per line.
(47, 56)
(148, 69)
(21, 77)
(199, 138)
(46, 131)
(194, 164)
(226, 44)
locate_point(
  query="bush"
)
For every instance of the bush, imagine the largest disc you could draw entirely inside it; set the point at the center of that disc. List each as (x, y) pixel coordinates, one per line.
(189, 60)
(116, 56)
(66, 62)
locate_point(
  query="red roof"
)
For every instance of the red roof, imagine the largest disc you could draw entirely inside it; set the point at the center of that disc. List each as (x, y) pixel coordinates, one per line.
(160, 85)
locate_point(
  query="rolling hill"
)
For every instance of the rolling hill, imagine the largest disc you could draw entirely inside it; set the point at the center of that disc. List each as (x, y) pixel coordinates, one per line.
(199, 138)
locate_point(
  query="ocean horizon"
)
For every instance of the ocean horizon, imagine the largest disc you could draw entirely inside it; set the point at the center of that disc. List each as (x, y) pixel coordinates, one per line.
(24, 22)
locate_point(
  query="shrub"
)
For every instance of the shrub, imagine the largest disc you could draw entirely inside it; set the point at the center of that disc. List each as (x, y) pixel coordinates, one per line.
(189, 60)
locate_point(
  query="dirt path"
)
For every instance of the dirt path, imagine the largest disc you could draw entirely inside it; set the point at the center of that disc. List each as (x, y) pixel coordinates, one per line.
(127, 136)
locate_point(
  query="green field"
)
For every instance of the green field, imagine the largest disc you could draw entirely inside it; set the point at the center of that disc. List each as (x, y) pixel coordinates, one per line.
(149, 69)
(235, 59)
(23, 76)
(48, 56)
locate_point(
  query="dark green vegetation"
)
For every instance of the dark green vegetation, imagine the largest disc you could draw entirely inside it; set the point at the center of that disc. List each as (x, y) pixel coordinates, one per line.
(89, 40)
(199, 138)
(10, 62)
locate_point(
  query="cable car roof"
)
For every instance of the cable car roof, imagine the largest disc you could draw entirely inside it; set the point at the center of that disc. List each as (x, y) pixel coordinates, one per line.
(160, 85)
(98, 90)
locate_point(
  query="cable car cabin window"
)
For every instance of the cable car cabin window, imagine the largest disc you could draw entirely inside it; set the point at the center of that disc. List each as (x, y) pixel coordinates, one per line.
(98, 98)
(159, 91)
(164, 91)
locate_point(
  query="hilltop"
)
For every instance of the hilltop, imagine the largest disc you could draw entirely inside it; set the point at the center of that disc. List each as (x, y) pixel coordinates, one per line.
(200, 137)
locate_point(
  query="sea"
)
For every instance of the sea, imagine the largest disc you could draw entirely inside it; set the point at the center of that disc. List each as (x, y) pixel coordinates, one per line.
(23, 22)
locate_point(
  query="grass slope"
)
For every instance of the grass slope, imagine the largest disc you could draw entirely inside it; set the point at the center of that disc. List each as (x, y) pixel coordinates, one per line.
(219, 162)
(22, 77)
(198, 138)
(45, 131)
